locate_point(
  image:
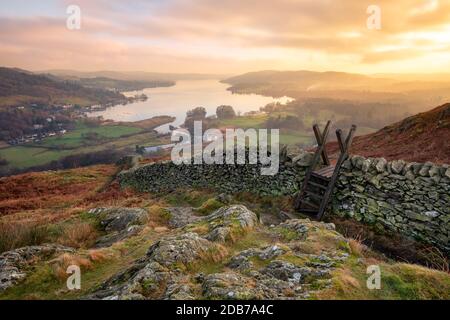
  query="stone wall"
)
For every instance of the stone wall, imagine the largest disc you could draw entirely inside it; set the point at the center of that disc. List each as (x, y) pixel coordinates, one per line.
(410, 198)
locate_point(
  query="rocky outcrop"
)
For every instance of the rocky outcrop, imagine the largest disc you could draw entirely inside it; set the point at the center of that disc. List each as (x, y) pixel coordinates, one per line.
(277, 271)
(159, 273)
(227, 220)
(118, 223)
(15, 264)
(181, 216)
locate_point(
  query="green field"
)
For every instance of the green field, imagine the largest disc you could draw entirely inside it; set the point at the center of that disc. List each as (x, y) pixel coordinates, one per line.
(82, 139)
(23, 157)
(245, 122)
(79, 137)
(294, 137)
(259, 121)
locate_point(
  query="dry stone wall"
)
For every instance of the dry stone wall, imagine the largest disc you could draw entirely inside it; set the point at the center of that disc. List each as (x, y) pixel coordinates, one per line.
(410, 198)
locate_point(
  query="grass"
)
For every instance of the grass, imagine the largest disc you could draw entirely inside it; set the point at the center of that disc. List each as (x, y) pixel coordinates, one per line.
(244, 122)
(113, 136)
(24, 157)
(294, 137)
(398, 281)
(188, 198)
(79, 137)
(16, 235)
(37, 199)
(209, 206)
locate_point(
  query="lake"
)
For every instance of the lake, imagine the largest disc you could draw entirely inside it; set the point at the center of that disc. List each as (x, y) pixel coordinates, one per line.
(185, 95)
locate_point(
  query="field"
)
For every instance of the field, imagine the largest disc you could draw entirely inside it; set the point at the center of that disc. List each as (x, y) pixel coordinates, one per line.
(23, 157)
(85, 140)
(258, 122)
(83, 135)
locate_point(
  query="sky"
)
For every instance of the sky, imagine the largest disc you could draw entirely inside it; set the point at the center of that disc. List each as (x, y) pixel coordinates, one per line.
(227, 37)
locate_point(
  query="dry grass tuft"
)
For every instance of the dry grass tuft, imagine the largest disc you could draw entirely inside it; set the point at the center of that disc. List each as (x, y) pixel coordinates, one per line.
(79, 235)
(62, 262)
(99, 255)
(16, 235)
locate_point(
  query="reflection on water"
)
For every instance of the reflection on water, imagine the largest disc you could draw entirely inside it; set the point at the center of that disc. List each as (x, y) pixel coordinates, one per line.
(185, 95)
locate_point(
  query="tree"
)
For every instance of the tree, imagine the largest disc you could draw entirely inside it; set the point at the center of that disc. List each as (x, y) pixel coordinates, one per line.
(196, 114)
(225, 112)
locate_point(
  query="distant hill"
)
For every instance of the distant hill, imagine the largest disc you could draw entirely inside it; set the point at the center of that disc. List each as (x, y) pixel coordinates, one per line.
(420, 138)
(19, 87)
(123, 85)
(413, 94)
(309, 80)
(132, 75)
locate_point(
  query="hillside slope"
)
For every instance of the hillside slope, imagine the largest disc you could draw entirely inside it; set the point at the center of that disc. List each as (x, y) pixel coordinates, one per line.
(422, 137)
(19, 87)
(188, 244)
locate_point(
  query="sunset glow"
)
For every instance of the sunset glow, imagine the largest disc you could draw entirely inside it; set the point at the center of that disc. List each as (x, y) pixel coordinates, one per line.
(230, 37)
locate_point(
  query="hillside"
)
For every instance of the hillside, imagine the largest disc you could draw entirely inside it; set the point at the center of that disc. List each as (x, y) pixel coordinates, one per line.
(18, 87)
(305, 80)
(308, 80)
(308, 86)
(132, 75)
(422, 137)
(187, 244)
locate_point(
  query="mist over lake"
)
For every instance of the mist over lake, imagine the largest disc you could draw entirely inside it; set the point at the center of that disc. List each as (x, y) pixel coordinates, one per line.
(185, 95)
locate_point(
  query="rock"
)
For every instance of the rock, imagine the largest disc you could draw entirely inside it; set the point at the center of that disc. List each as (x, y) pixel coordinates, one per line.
(241, 260)
(119, 219)
(224, 198)
(425, 170)
(303, 160)
(111, 238)
(357, 161)
(434, 171)
(183, 248)
(397, 166)
(181, 216)
(381, 165)
(432, 214)
(119, 223)
(271, 252)
(417, 216)
(15, 263)
(366, 165)
(232, 285)
(302, 226)
(447, 173)
(292, 151)
(227, 220)
(286, 271)
(284, 216)
(156, 275)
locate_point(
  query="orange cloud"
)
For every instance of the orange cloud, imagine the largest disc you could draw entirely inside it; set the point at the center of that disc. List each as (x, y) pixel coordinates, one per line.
(231, 36)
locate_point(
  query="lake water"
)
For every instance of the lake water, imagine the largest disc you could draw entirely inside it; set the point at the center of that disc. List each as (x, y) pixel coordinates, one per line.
(185, 95)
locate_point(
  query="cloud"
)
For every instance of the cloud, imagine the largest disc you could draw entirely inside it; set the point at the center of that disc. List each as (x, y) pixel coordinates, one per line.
(234, 35)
